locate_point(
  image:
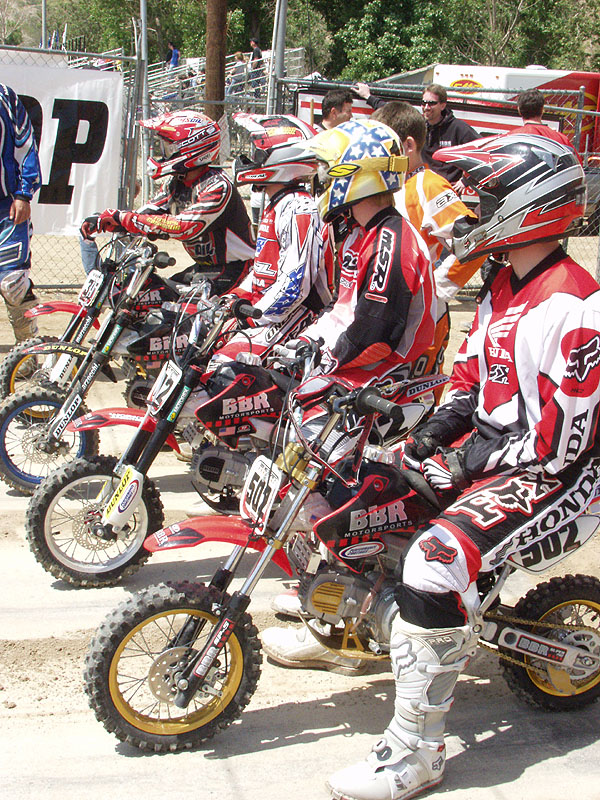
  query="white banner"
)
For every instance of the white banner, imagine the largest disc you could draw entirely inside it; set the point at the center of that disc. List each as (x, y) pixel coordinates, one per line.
(76, 114)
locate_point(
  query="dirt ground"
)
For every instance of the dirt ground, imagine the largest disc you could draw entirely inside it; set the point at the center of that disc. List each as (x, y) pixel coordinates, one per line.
(299, 726)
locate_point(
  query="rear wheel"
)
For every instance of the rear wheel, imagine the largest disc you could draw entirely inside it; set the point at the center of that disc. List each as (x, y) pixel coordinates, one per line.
(25, 457)
(132, 668)
(572, 604)
(62, 521)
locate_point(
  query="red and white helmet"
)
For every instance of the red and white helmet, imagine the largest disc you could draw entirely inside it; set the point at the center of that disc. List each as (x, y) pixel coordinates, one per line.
(278, 155)
(188, 139)
(531, 189)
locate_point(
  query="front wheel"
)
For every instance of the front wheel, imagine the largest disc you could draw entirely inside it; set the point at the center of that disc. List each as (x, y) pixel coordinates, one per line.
(62, 518)
(566, 610)
(132, 667)
(24, 422)
(20, 368)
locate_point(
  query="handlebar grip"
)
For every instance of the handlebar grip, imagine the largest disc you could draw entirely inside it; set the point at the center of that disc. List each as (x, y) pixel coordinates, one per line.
(162, 260)
(243, 309)
(369, 401)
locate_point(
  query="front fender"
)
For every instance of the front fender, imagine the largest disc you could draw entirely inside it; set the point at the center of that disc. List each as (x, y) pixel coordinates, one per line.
(109, 417)
(198, 530)
(53, 306)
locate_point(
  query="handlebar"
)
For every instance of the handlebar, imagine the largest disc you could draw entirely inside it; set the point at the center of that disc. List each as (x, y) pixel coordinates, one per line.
(241, 309)
(369, 401)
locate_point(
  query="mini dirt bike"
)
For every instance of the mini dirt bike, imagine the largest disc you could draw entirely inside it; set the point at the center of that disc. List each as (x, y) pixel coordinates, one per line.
(177, 663)
(86, 523)
(26, 366)
(33, 423)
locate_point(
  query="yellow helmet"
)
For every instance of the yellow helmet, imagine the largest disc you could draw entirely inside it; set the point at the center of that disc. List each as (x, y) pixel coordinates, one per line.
(358, 159)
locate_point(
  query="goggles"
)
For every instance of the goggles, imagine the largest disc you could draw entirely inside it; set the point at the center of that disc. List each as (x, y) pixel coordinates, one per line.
(325, 174)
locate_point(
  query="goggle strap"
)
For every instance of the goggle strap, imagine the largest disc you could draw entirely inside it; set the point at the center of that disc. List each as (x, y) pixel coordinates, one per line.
(371, 164)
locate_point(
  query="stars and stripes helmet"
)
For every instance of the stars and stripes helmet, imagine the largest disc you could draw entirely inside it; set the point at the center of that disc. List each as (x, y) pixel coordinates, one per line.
(188, 139)
(357, 159)
(531, 189)
(278, 156)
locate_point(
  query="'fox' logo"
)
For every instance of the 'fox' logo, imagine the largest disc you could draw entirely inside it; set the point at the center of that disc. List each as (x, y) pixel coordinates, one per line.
(583, 359)
(437, 551)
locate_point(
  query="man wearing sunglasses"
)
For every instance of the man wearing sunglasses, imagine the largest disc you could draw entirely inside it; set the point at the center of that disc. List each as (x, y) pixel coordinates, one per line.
(443, 130)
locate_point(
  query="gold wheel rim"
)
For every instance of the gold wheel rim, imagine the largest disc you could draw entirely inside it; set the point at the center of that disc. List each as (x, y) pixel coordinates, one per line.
(190, 722)
(545, 684)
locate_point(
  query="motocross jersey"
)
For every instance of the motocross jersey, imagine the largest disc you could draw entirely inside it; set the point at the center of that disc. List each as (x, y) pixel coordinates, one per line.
(206, 214)
(289, 279)
(289, 269)
(20, 173)
(526, 379)
(385, 311)
(430, 203)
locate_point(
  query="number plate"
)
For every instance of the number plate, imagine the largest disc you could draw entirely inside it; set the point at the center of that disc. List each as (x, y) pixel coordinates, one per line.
(168, 378)
(91, 287)
(260, 489)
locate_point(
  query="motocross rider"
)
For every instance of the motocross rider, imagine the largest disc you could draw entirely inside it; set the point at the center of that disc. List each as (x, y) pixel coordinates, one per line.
(512, 453)
(198, 204)
(20, 178)
(290, 281)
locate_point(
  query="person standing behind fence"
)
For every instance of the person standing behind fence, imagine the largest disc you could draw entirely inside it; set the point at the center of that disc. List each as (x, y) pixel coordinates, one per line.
(20, 178)
(237, 78)
(257, 67)
(336, 108)
(530, 105)
(172, 58)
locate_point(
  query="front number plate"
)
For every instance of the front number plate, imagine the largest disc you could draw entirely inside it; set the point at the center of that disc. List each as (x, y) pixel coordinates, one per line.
(260, 489)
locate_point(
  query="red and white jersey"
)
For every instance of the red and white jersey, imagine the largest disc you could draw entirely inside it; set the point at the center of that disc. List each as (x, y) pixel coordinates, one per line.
(385, 311)
(207, 215)
(430, 203)
(527, 378)
(289, 268)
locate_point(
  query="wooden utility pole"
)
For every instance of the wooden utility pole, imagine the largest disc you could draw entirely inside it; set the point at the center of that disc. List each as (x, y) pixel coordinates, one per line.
(216, 35)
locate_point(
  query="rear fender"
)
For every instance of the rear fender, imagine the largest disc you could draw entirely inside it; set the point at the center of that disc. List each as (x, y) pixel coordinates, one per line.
(109, 417)
(53, 306)
(198, 530)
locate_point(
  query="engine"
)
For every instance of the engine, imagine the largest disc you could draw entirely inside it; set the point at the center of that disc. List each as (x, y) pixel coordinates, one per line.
(217, 469)
(333, 597)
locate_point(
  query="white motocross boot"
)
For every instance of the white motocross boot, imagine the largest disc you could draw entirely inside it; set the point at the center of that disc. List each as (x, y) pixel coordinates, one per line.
(299, 649)
(410, 756)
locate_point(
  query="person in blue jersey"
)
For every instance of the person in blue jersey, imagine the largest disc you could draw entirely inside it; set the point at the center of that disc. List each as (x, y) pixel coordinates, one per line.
(20, 178)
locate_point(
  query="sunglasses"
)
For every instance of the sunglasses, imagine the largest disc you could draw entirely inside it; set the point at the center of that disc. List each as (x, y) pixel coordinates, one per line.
(429, 102)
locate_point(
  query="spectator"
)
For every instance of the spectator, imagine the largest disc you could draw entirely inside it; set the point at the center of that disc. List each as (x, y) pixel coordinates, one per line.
(237, 77)
(172, 58)
(443, 128)
(257, 67)
(530, 104)
(336, 108)
(20, 178)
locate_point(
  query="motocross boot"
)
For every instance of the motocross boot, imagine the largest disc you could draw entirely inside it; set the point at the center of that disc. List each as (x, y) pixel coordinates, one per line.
(299, 649)
(410, 756)
(23, 327)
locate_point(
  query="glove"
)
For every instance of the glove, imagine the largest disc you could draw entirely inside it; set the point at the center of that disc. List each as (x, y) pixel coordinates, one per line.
(89, 227)
(417, 448)
(110, 221)
(444, 471)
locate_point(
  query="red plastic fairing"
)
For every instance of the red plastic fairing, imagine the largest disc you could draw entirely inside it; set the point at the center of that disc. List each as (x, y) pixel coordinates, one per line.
(108, 417)
(59, 305)
(198, 530)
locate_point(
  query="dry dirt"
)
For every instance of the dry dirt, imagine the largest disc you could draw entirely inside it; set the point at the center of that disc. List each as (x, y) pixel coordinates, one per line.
(299, 727)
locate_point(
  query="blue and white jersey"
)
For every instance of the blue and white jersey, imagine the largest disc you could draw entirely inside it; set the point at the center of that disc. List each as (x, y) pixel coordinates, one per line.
(20, 172)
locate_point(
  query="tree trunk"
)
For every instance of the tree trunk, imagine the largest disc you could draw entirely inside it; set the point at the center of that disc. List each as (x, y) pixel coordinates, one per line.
(216, 31)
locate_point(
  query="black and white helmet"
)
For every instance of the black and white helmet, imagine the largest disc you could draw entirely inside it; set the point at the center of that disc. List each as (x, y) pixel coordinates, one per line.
(531, 189)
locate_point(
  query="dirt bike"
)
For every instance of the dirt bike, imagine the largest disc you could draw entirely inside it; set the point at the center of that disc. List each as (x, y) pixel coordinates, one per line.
(86, 524)
(26, 366)
(33, 423)
(229, 418)
(177, 663)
